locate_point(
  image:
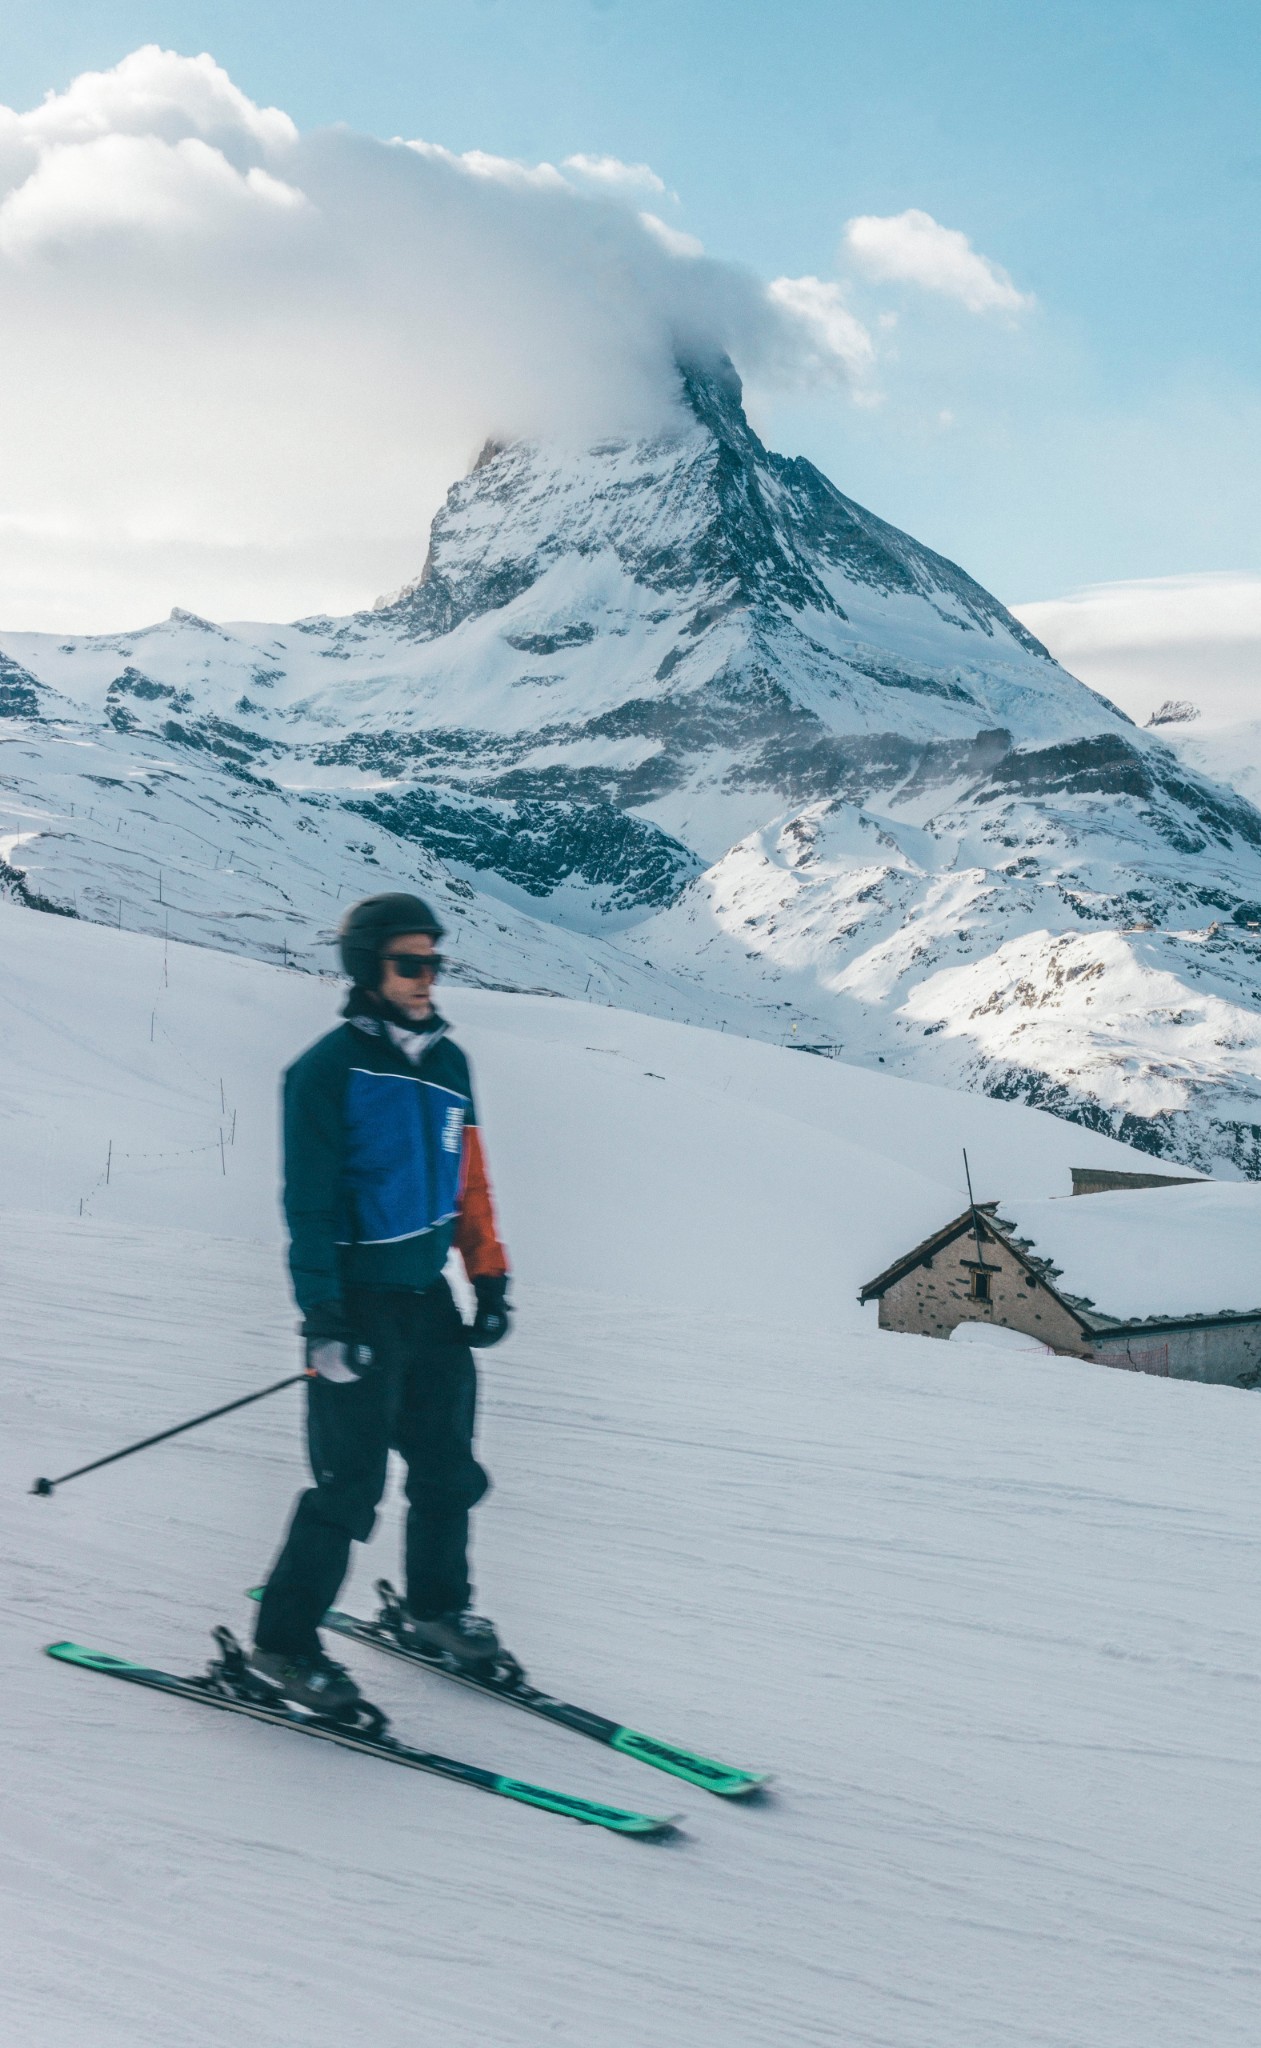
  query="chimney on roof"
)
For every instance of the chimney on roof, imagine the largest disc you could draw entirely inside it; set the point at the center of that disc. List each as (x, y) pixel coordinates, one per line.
(1102, 1180)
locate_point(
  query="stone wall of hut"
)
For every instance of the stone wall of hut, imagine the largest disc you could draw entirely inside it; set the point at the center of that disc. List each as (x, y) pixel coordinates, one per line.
(1226, 1354)
(935, 1296)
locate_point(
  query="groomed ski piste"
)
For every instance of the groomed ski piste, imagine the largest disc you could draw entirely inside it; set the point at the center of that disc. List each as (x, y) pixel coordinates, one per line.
(988, 1615)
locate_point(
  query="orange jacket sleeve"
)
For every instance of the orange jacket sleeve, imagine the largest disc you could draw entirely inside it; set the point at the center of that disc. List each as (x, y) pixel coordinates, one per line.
(476, 1232)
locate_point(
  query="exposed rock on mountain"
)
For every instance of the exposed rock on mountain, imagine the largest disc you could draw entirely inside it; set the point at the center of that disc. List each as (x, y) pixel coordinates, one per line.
(677, 724)
(20, 694)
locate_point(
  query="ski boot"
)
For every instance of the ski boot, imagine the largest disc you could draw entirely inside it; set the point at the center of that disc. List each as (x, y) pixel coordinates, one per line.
(313, 1682)
(467, 1639)
(464, 1643)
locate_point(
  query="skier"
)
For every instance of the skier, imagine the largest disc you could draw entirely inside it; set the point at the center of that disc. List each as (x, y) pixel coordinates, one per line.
(384, 1172)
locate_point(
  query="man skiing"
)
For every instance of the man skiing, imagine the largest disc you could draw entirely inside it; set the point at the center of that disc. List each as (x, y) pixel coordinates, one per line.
(384, 1172)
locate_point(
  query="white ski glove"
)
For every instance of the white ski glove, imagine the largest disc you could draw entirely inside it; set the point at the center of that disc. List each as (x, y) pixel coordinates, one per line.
(340, 1363)
(330, 1355)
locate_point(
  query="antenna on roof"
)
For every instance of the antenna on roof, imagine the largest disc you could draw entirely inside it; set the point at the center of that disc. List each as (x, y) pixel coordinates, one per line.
(976, 1221)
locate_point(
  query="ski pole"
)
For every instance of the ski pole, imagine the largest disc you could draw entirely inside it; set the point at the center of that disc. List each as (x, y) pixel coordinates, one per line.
(45, 1486)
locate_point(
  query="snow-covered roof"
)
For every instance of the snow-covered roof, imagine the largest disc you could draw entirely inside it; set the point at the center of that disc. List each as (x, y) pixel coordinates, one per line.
(1138, 1252)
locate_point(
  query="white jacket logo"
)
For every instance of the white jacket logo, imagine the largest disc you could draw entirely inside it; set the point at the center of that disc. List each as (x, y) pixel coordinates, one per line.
(451, 1130)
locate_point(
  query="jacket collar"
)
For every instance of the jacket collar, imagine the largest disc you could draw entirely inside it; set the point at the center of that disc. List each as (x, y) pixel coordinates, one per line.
(413, 1045)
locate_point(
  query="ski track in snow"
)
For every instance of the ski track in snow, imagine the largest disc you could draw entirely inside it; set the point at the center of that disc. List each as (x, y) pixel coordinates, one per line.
(990, 1618)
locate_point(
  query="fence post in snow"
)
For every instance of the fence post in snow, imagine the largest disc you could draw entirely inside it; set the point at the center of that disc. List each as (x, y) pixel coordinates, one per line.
(223, 1161)
(109, 1161)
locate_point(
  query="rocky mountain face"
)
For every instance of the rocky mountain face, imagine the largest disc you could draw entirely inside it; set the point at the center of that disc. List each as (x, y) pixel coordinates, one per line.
(676, 724)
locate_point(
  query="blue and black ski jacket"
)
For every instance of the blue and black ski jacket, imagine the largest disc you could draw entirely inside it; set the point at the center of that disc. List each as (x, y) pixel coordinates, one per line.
(384, 1169)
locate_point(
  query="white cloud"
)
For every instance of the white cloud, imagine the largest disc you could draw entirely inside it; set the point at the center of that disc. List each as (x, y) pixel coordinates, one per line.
(1193, 637)
(613, 175)
(499, 170)
(156, 92)
(674, 239)
(841, 342)
(133, 181)
(913, 248)
(239, 366)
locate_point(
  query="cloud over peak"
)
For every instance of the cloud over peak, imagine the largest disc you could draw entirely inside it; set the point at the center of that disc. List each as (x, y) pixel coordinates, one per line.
(838, 336)
(256, 346)
(132, 182)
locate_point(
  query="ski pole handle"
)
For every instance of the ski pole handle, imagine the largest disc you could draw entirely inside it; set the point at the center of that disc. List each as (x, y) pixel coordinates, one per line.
(44, 1487)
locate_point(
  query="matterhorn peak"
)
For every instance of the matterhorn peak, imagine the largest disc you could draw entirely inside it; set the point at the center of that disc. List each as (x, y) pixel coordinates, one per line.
(673, 718)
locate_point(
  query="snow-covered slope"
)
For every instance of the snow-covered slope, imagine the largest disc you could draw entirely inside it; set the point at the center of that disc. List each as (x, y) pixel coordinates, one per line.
(124, 1057)
(1231, 752)
(676, 723)
(989, 1617)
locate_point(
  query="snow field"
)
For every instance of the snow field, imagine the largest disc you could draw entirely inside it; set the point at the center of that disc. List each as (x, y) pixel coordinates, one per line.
(630, 1155)
(989, 1616)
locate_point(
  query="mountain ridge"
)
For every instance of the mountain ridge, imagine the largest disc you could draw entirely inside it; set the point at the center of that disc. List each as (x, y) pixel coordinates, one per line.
(676, 722)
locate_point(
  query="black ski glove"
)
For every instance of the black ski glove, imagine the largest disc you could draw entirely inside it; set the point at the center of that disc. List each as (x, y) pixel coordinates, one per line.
(330, 1354)
(492, 1318)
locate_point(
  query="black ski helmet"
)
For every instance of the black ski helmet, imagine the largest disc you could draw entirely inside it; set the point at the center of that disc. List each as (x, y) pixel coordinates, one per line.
(366, 926)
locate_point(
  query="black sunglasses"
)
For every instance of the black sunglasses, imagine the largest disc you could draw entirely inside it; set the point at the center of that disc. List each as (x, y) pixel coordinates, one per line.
(411, 966)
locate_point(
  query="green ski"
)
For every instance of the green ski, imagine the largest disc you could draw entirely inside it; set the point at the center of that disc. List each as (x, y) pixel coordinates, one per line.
(508, 1682)
(227, 1685)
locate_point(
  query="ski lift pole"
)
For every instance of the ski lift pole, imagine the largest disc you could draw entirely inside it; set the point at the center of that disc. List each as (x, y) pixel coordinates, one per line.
(46, 1486)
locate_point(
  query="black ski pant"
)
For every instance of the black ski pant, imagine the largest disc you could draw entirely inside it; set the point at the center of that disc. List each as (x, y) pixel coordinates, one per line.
(419, 1398)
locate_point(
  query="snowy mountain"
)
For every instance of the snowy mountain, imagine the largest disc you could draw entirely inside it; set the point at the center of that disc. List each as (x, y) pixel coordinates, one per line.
(1229, 750)
(676, 724)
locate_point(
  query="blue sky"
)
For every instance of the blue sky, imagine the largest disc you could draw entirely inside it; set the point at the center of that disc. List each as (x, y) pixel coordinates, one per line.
(1107, 157)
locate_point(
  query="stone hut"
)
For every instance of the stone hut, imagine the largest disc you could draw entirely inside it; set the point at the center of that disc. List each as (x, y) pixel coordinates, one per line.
(1151, 1273)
